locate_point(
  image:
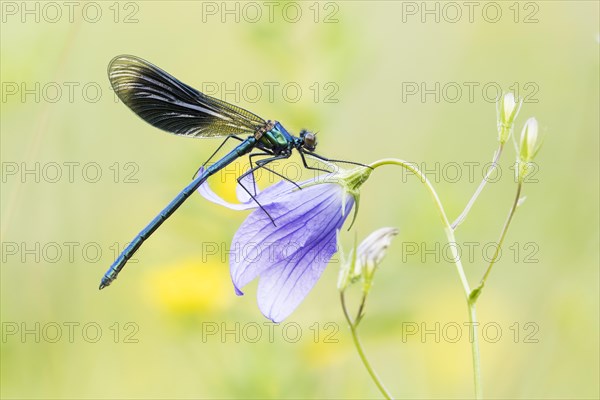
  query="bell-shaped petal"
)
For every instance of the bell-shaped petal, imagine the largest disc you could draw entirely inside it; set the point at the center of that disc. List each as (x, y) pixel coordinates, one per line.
(269, 195)
(287, 243)
(290, 256)
(211, 196)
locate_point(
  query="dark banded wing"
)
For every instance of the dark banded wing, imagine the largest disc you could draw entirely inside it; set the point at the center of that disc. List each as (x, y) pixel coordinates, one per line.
(169, 104)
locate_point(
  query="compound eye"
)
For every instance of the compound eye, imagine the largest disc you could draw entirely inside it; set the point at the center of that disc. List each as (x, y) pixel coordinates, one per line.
(310, 141)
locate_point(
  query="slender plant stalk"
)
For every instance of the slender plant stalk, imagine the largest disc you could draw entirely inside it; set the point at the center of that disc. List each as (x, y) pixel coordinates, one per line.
(501, 240)
(449, 230)
(353, 330)
(471, 296)
(475, 295)
(463, 215)
(447, 227)
(475, 349)
(361, 308)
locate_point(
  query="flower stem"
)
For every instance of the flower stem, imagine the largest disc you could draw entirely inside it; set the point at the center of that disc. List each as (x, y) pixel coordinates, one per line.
(493, 167)
(361, 353)
(361, 308)
(447, 227)
(475, 348)
(511, 213)
(449, 230)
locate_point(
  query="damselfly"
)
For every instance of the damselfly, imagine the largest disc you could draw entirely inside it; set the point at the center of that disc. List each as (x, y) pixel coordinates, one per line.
(169, 104)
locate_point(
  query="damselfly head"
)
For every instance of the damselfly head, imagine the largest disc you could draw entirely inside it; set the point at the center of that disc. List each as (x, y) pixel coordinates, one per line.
(309, 140)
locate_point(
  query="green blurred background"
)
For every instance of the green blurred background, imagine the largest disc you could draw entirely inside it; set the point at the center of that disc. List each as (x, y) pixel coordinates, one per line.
(149, 335)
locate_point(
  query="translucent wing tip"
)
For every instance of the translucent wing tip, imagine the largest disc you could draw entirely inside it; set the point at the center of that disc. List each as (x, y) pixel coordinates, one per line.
(115, 62)
(122, 64)
(124, 59)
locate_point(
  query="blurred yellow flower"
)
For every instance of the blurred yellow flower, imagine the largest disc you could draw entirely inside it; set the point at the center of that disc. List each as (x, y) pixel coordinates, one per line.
(190, 287)
(224, 182)
(325, 353)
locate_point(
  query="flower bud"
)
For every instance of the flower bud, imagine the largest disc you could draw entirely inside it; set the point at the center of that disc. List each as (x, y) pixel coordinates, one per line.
(528, 146)
(529, 137)
(507, 110)
(371, 251)
(363, 261)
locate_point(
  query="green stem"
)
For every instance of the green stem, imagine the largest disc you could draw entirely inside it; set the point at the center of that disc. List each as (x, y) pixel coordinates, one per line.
(447, 227)
(474, 339)
(500, 241)
(361, 353)
(361, 310)
(463, 215)
(449, 230)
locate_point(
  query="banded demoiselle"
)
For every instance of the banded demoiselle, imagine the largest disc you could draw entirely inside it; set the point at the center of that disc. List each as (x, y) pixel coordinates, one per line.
(169, 104)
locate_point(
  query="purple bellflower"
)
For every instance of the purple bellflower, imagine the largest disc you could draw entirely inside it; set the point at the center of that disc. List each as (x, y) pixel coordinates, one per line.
(289, 256)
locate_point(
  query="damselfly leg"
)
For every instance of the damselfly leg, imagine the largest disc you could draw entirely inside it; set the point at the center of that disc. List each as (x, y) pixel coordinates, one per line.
(327, 160)
(216, 151)
(259, 165)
